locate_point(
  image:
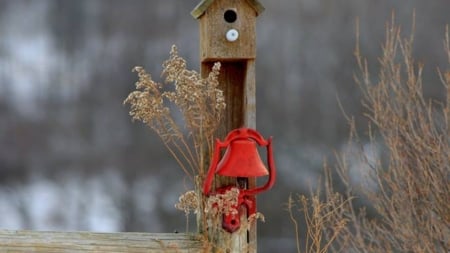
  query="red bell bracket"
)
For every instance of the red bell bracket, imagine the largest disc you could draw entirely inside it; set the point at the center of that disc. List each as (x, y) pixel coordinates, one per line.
(241, 160)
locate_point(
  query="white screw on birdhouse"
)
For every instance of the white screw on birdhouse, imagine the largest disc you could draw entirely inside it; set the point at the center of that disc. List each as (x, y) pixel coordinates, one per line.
(232, 35)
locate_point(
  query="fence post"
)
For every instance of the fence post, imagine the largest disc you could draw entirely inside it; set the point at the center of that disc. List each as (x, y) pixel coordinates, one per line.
(228, 35)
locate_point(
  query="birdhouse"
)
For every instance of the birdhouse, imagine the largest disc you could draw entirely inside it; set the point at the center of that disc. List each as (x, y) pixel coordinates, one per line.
(227, 28)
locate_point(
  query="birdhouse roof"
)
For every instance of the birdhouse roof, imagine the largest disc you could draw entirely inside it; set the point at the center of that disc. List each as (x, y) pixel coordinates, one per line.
(204, 4)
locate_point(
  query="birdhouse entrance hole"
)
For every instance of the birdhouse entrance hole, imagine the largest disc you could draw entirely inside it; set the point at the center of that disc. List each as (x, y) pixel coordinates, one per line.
(230, 16)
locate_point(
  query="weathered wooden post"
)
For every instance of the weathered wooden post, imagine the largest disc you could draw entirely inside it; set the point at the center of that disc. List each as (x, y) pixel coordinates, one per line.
(228, 35)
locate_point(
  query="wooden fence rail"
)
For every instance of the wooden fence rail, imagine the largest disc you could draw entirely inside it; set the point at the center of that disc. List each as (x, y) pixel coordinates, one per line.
(12, 241)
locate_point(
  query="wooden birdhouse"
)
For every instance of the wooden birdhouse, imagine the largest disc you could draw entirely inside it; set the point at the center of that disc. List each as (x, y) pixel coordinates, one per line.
(228, 35)
(227, 28)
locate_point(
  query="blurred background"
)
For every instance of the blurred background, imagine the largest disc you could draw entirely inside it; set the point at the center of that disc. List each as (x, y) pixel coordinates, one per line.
(70, 157)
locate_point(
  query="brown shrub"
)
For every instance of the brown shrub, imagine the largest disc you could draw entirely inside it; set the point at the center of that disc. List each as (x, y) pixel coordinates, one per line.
(412, 195)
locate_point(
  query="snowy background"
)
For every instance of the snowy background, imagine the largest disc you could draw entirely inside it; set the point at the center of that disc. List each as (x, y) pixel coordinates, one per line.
(70, 158)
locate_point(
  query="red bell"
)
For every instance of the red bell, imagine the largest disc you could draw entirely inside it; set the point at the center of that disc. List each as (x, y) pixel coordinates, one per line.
(241, 159)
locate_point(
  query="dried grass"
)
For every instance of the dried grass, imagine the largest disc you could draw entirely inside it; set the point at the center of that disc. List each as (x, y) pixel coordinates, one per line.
(412, 202)
(200, 101)
(202, 105)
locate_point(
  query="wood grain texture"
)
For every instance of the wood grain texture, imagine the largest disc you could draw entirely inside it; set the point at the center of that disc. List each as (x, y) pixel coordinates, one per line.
(12, 241)
(201, 7)
(237, 81)
(250, 121)
(250, 95)
(231, 82)
(213, 28)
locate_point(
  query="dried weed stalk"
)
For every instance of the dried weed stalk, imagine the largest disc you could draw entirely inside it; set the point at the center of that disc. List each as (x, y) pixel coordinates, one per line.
(188, 202)
(324, 220)
(412, 200)
(200, 101)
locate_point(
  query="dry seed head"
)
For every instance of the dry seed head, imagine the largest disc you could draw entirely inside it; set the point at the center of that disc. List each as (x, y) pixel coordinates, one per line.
(198, 99)
(253, 218)
(187, 202)
(225, 203)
